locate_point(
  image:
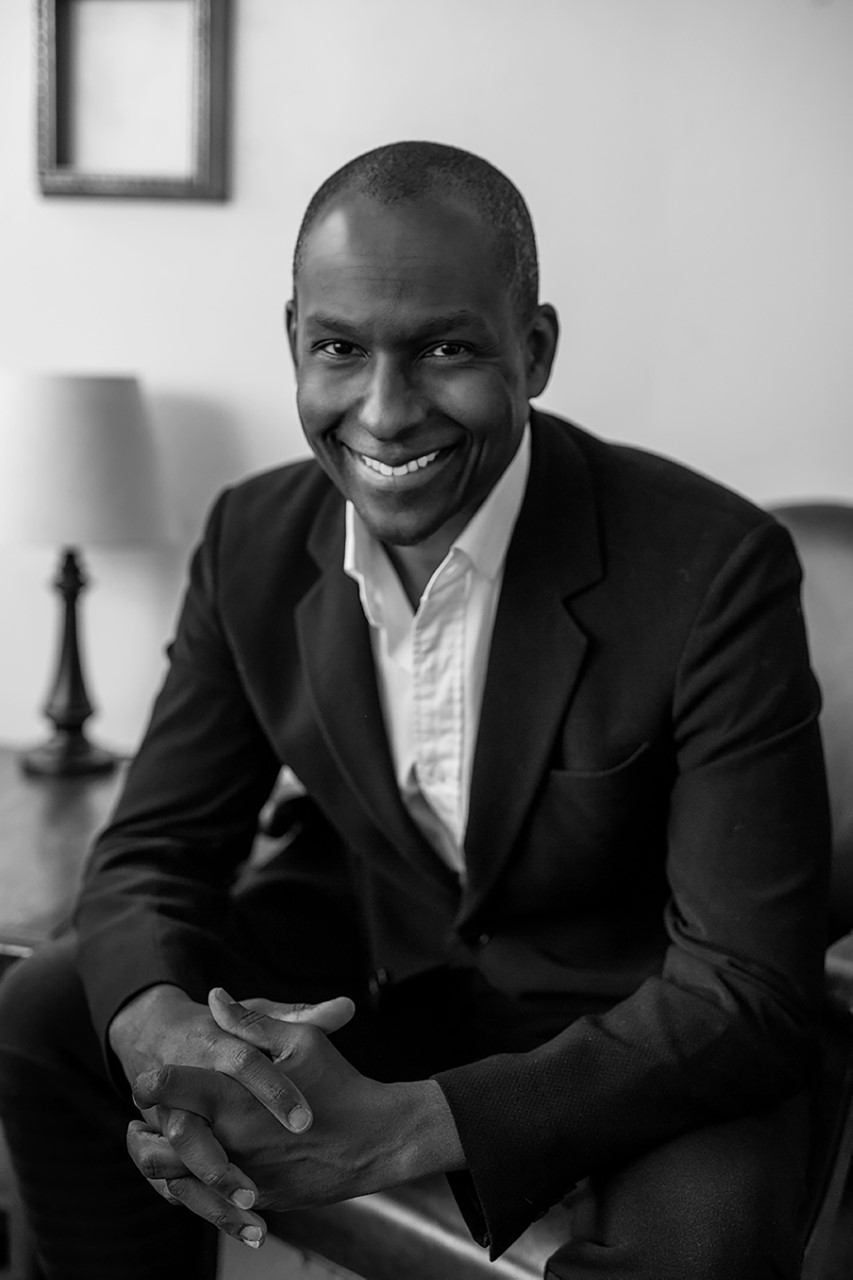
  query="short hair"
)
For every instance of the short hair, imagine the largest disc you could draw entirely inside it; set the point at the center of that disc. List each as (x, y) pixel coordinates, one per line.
(402, 171)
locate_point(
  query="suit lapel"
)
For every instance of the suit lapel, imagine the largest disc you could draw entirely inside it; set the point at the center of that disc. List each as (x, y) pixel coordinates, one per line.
(335, 651)
(537, 651)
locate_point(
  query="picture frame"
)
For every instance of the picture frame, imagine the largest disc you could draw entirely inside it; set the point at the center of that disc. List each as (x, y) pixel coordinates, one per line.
(131, 98)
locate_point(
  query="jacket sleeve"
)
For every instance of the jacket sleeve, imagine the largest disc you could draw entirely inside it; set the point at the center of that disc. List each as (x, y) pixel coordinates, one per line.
(729, 1023)
(155, 889)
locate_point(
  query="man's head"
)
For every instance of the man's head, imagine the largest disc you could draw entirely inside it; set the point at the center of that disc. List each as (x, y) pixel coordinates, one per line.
(413, 171)
(417, 336)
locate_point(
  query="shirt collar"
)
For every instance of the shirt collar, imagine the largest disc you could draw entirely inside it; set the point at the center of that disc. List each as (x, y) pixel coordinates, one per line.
(483, 541)
(485, 538)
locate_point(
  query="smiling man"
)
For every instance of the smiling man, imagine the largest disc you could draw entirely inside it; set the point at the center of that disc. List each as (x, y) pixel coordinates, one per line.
(547, 916)
(416, 361)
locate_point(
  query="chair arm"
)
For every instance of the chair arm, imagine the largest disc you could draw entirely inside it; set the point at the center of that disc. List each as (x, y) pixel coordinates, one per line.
(415, 1231)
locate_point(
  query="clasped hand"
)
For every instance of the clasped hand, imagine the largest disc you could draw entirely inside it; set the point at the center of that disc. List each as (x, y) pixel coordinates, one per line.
(345, 1143)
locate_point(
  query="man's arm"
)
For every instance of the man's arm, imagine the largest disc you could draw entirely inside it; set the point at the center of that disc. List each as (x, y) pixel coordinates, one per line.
(154, 897)
(729, 1023)
(153, 905)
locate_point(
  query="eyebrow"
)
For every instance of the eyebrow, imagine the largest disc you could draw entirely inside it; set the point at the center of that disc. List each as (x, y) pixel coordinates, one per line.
(460, 319)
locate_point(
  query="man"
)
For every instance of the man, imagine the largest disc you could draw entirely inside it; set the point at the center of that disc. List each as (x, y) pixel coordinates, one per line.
(564, 845)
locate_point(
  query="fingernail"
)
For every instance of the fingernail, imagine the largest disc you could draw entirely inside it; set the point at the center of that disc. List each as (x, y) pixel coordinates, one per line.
(223, 995)
(243, 1198)
(251, 1236)
(299, 1118)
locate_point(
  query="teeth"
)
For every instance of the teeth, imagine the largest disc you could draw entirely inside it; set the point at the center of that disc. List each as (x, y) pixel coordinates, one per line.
(416, 464)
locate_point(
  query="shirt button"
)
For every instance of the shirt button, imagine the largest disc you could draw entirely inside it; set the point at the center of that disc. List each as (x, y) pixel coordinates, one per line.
(484, 939)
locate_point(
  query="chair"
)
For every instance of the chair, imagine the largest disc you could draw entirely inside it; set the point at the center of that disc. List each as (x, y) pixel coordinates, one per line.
(823, 533)
(417, 1230)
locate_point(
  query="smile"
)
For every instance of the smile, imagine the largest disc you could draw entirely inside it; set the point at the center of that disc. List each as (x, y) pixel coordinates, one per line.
(407, 468)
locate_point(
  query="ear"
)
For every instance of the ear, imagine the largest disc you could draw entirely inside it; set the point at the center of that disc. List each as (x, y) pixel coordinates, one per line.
(290, 327)
(540, 339)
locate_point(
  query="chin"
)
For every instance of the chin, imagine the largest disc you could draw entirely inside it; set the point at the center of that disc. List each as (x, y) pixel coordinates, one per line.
(398, 533)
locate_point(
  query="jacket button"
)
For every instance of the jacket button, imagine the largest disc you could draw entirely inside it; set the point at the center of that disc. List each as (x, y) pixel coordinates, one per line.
(377, 980)
(484, 939)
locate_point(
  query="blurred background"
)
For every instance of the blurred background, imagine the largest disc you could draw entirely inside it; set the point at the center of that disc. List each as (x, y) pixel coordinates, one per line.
(689, 167)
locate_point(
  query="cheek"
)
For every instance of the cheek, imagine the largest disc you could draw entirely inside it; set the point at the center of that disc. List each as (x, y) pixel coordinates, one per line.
(317, 400)
(479, 401)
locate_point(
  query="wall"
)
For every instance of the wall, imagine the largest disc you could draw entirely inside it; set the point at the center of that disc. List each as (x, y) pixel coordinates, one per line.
(688, 164)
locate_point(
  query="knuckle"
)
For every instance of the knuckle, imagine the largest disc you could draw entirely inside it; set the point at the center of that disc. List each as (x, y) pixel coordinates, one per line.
(219, 1218)
(178, 1127)
(179, 1187)
(147, 1164)
(150, 1085)
(249, 1017)
(214, 1176)
(280, 1098)
(245, 1059)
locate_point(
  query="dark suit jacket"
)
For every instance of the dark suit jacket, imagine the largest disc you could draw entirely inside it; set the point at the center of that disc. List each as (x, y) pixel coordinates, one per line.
(647, 820)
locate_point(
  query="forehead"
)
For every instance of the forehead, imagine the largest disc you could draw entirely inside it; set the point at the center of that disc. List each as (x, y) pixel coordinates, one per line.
(433, 253)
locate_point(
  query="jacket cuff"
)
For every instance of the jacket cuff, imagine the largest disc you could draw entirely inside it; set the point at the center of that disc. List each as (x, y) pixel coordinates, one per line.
(497, 1205)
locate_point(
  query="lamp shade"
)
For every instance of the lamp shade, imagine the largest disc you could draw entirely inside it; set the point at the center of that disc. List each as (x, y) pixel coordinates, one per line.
(77, 462)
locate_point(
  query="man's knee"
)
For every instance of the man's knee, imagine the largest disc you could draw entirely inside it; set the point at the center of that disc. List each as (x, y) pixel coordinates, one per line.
(727, 1255)
(43, 1013)
(718, 1204)
(717, 1243)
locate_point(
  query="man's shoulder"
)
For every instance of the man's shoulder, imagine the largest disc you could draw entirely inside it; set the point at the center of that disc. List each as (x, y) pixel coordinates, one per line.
(637, 491)
(283, 500)
(302, 480)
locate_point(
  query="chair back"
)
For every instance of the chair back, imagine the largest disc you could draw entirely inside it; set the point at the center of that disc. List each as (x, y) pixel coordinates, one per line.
(823, 534)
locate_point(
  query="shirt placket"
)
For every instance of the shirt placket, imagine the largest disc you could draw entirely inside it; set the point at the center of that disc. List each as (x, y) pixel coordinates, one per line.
(438, 653)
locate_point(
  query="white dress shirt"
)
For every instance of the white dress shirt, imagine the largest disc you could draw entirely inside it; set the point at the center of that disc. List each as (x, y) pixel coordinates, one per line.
(431, 663)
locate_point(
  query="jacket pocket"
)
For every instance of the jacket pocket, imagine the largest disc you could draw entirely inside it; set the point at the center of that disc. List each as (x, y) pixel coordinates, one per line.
(596, 834)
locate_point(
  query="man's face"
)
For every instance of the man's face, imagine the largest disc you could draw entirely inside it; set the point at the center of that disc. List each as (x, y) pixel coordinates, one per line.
(413, 371)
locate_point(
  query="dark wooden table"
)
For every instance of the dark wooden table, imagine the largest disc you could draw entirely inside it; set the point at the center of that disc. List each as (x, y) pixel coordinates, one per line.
(46, 828)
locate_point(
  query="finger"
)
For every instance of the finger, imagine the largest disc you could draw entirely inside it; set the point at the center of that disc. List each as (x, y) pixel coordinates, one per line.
(134, 1135)
(195, 1089)
(248, 1228)
(161, 1186)
(281, 1038)
(328, 1015)
(135, 1130)
(151, 1152)
(187, 1145)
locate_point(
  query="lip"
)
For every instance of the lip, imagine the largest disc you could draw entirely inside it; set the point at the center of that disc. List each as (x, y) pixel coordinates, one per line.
(416, 476)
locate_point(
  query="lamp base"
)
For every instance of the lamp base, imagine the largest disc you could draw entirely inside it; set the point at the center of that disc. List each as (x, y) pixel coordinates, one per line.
(69, 753)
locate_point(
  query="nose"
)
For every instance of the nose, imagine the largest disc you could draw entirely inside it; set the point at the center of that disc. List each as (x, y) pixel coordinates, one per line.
(391, 404)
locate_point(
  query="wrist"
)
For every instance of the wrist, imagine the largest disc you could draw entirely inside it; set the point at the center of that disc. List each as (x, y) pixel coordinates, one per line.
(427, 1138)
(142, 1018)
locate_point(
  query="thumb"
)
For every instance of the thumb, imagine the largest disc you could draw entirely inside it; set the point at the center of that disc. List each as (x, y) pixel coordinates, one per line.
(328, 1015)
(251, 1019)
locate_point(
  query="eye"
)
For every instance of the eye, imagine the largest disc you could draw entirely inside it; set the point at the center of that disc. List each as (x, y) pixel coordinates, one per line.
(337, 348)
(446, 351)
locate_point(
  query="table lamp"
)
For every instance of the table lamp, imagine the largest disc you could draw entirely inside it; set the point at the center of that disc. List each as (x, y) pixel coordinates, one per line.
(77, 468)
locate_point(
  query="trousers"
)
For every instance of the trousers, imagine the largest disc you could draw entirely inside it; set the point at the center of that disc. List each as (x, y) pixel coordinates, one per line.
(720, 1203)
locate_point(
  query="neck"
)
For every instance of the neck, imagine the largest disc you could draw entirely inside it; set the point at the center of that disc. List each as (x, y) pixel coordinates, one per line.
(415, 566)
